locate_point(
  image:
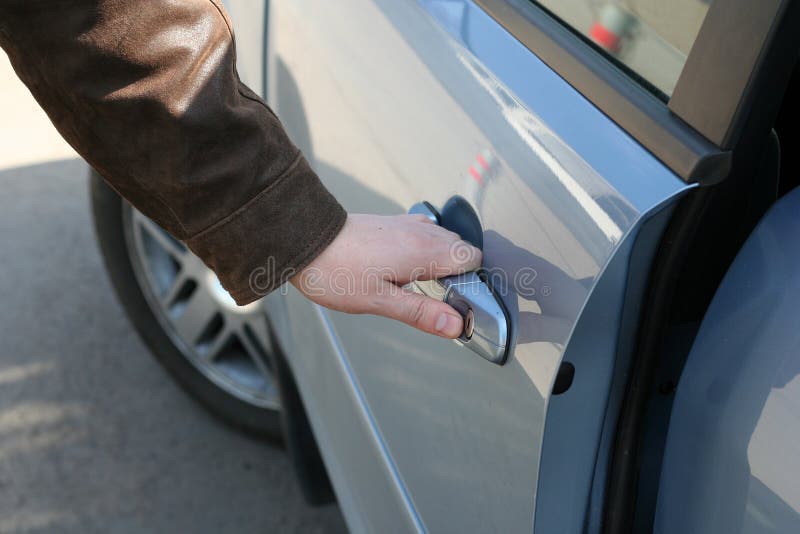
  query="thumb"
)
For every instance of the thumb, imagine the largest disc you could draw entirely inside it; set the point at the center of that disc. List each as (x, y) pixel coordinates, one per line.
(421, 312)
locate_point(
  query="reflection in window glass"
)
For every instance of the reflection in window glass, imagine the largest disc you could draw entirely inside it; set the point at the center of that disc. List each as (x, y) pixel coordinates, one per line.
(651, 37)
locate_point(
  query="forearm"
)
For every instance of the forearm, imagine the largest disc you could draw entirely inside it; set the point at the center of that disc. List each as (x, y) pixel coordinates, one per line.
(147, 92)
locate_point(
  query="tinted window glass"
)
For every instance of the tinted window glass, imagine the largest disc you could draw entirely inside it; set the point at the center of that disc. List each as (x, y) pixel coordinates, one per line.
(651, 37)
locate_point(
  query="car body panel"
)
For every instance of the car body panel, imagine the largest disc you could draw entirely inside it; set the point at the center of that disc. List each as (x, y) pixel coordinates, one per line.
(731, 458)
(394, 102)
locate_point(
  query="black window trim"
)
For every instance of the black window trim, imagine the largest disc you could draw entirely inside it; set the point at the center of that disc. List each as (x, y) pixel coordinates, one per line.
(695, 132)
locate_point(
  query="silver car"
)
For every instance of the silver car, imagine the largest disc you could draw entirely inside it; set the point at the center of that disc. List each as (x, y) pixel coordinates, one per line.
(632, 346)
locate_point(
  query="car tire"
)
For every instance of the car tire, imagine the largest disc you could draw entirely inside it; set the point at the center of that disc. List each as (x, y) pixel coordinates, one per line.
(223, 386)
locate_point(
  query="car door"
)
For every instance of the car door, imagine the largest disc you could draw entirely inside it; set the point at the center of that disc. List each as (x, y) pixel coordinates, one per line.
(573, 166)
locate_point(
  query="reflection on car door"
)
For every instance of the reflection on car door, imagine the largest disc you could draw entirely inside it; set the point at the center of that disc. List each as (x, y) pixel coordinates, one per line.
(397, 102)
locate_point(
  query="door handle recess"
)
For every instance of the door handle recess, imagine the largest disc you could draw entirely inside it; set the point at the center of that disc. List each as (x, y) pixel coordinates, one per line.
(486, 325)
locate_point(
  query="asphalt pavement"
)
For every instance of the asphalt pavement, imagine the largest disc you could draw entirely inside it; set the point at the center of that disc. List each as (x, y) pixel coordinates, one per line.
(94, 436)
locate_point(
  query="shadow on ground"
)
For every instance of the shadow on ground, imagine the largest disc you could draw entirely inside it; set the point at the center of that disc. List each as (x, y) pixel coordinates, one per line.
(93, 435)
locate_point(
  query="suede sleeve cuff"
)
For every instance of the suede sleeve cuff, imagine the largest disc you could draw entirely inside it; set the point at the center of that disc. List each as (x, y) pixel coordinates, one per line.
(256, 249)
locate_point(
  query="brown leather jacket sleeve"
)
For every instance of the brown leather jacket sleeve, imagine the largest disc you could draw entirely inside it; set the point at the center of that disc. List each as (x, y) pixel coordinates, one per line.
(147, 92)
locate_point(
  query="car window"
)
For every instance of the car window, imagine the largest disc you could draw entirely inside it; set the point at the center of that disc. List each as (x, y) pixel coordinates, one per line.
(650, 37)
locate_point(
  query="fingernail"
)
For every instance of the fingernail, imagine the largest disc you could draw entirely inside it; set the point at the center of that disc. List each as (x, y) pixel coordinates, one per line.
(449, 325)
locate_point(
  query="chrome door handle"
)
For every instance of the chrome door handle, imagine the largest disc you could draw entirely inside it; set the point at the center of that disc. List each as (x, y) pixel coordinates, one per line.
(486, 325)
(426, 209)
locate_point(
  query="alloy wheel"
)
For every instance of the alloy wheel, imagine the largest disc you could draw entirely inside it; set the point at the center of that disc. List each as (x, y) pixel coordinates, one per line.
(229, 344)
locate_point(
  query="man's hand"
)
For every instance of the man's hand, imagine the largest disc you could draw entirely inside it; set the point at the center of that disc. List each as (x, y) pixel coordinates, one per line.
(364, 268)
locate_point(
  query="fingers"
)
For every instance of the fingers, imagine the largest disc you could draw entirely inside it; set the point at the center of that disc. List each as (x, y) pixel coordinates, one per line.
(448, 255)
(430, 251)
(419, 249)
(418, 311)
(464, 256)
